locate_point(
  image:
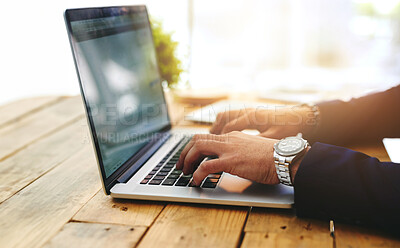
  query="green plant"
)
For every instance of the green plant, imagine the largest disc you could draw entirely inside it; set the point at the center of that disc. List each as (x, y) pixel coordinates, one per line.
(169, 65)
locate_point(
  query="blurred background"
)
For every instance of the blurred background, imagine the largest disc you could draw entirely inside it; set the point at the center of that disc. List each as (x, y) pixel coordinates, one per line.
(306, 50)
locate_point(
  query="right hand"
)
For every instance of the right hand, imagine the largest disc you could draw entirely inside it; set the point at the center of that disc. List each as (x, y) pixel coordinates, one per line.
(271, 123)
(239, 154)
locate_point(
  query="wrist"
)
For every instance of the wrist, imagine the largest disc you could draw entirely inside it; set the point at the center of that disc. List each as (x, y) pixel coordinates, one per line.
(288, 154)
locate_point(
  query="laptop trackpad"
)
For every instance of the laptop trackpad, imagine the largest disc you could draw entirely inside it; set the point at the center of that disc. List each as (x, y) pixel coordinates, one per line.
(238, 189)
(235, 184)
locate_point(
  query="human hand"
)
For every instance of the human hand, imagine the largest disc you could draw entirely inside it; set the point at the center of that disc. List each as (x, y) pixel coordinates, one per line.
(271, 123)
(246, 156)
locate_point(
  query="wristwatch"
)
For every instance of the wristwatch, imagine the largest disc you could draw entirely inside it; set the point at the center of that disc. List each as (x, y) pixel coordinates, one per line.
(285, 151)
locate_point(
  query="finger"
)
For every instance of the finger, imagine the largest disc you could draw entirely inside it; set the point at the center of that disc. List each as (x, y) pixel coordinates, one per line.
(179, 164)
(216, 127)
(208, 167)
(197, 137)
(241, 123)
(201, 149)
(256, 119)
(225, 117)
(192, 160)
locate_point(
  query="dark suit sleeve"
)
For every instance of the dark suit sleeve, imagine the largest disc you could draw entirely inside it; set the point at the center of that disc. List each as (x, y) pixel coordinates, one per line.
(338, 183)
(365, 119)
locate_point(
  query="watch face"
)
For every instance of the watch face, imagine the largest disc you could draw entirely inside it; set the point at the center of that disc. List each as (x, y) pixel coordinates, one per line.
(290, 146)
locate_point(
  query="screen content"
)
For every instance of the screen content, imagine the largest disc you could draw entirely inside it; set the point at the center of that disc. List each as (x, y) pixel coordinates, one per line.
(117, 64)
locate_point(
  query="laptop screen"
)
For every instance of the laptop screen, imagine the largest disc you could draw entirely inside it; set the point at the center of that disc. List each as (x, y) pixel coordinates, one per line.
(117, 65)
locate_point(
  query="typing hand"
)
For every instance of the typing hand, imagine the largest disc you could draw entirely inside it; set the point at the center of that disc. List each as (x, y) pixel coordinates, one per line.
(246, 156)
(276, 123)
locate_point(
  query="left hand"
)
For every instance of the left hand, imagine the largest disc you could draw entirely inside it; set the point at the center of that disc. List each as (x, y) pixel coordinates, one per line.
(271, 123)
(240, 154)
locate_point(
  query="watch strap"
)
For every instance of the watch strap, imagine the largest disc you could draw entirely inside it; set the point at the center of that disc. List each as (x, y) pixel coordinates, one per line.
(282, 165)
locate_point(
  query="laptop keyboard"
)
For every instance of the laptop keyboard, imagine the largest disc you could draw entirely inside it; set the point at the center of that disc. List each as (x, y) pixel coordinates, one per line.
(165, 173)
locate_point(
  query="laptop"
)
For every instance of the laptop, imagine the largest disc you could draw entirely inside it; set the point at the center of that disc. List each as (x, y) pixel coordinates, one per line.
(135, 144)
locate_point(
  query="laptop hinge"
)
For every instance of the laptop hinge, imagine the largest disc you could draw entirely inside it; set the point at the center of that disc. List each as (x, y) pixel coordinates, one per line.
(143, 159)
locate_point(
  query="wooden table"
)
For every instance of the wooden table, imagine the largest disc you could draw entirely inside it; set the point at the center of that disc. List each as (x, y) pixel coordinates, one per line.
(50, 195)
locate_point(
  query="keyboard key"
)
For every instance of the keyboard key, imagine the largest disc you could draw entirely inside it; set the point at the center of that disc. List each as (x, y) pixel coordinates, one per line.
(166, 169)
(157, 167)
(187, 176)
(182, 184)
(162, 173)
(211, 180)
(214, 176)
(155, 182)
(169, 182)
(159, 177)
(148, 177)
(153, 172)
(182, 181)
(191, 184)
(176, 172)
(169, 166)
(173, 176)
(208, 185)
(144, 181)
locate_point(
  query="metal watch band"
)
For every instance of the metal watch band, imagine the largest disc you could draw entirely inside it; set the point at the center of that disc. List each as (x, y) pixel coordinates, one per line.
(282, 169)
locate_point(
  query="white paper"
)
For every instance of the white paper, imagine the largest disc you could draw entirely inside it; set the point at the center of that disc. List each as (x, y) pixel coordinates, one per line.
(392, 146)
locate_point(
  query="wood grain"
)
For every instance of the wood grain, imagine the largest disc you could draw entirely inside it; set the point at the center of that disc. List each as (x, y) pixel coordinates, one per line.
(48, 177)
(96, 235)
(105, 209)
(35, 214)
(18, 171)
(281, 228)
(354, 236)
(13, 111)
(196, 226)
(19, 134)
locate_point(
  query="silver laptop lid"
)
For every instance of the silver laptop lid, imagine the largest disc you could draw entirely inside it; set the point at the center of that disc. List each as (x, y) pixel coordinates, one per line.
(120, 84)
